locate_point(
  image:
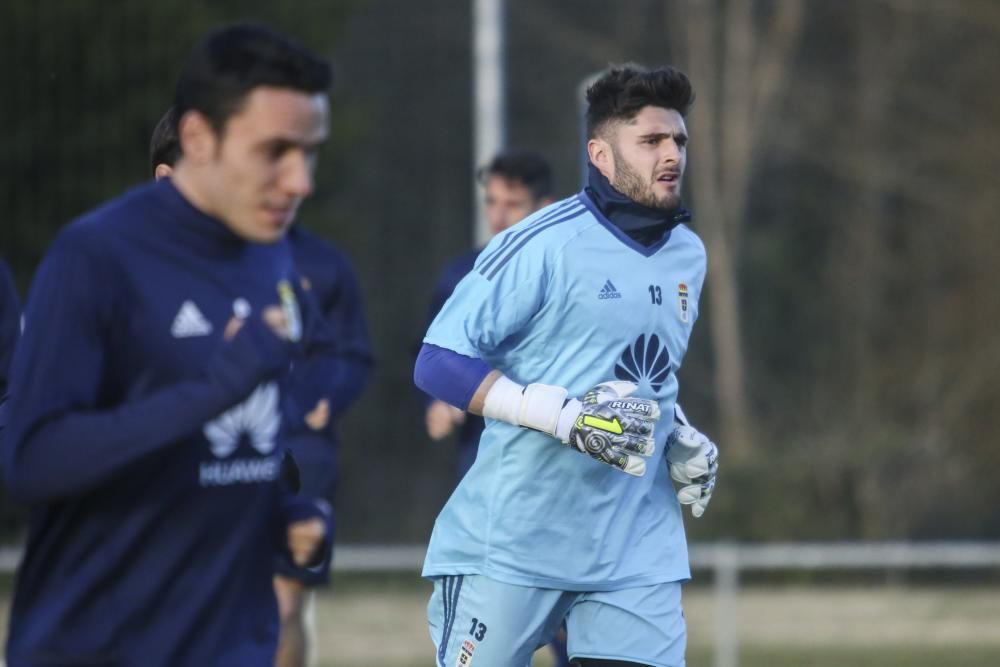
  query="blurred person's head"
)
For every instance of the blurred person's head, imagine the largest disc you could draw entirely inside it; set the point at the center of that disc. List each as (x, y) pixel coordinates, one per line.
(164, 147)
(516, 183)
(251, 111)
(636, 133)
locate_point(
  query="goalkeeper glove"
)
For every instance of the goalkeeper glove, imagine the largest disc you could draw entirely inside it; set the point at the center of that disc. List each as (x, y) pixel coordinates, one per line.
(694, 462)
(605, 424)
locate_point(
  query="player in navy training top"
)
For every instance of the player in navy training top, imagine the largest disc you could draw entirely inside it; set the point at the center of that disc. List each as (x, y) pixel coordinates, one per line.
(148, 389)
(516, 183)
(327, 276)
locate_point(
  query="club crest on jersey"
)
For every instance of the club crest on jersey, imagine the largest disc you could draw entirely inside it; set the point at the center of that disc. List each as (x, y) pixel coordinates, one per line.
(645, 359)
(290, 306)
(682, 302)
(465, 654)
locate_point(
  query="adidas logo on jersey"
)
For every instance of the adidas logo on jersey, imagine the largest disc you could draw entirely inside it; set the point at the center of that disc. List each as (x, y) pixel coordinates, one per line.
(189, 322)
(609, 291)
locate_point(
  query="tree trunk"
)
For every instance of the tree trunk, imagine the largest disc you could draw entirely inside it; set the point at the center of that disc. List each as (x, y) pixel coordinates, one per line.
(734, 104)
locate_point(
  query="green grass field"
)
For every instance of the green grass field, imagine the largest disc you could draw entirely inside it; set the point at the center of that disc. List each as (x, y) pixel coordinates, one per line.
(381, 620)
(362, 624)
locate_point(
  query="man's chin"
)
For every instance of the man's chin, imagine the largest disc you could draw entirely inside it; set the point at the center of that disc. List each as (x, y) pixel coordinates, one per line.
(665, 204)
(266, 234)
(273, 236)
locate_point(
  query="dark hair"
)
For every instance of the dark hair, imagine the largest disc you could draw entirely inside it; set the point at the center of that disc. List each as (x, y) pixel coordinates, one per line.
(164, 146)
(226, 65)
(522, 166)
(624, 90)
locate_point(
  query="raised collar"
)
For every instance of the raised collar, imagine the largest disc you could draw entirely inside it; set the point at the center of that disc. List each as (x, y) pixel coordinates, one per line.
(644, 225)
(204, 232)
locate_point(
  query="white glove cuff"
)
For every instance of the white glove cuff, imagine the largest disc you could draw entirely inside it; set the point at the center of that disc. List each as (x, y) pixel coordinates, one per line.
(567, 417)
(503, 400)
(537, 406)
(541, 406)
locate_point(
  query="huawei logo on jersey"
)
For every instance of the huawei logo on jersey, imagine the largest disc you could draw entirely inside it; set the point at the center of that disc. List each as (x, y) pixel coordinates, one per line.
(257, 418)
(257, 421)
(645, 360)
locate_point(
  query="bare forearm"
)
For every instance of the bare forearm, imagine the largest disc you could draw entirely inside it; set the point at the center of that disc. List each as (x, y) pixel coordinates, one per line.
(479, 398)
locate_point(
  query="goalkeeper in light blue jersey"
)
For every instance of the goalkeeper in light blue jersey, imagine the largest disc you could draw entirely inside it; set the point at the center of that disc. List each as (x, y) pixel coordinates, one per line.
(567, 336)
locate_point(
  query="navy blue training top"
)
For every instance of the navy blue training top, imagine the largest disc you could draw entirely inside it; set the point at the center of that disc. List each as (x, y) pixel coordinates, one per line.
(470, 430)
(327, 275)
(147, 447)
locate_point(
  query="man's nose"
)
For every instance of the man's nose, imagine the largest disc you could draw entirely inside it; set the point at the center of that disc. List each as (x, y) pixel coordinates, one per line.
(297, 176)
(670, 152)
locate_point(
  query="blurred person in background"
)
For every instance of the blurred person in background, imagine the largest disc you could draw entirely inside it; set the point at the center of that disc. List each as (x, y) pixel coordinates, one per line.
(149, 385)
(516, 183)
(326, 275)
(561, 518)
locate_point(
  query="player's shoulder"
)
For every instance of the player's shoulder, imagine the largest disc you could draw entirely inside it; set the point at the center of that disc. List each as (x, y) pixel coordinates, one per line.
(543, 233)
(305, 239)
(548, 225)
(461, 264)
(308, 245)
(682, 234)
(96, 230)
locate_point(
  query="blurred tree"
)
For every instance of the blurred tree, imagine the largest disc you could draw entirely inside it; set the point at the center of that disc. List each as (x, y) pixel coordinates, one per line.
(740, 72)
(873, 247)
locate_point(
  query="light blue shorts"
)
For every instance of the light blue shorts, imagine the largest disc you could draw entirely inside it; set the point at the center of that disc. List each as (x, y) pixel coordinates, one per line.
(475, 620)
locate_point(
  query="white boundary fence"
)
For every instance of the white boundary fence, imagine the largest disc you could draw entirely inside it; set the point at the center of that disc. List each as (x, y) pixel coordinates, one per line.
(725, 560)
(728, 560)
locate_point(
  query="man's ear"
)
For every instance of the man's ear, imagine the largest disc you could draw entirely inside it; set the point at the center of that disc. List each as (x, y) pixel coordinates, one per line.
(197, 137)
(162, 170)
(599, 152)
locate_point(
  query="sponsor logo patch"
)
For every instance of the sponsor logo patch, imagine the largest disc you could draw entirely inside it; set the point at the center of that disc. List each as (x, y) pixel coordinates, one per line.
(255, 421)
(647, 359)
(239, 471)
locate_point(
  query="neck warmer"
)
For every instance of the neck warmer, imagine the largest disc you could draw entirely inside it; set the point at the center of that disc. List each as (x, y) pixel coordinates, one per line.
(642, 224)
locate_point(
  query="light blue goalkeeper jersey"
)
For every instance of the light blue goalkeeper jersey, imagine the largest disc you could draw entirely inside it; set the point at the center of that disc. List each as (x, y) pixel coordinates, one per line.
(565, 298)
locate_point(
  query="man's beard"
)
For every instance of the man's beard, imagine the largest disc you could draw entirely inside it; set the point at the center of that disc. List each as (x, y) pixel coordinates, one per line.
(629, 183)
